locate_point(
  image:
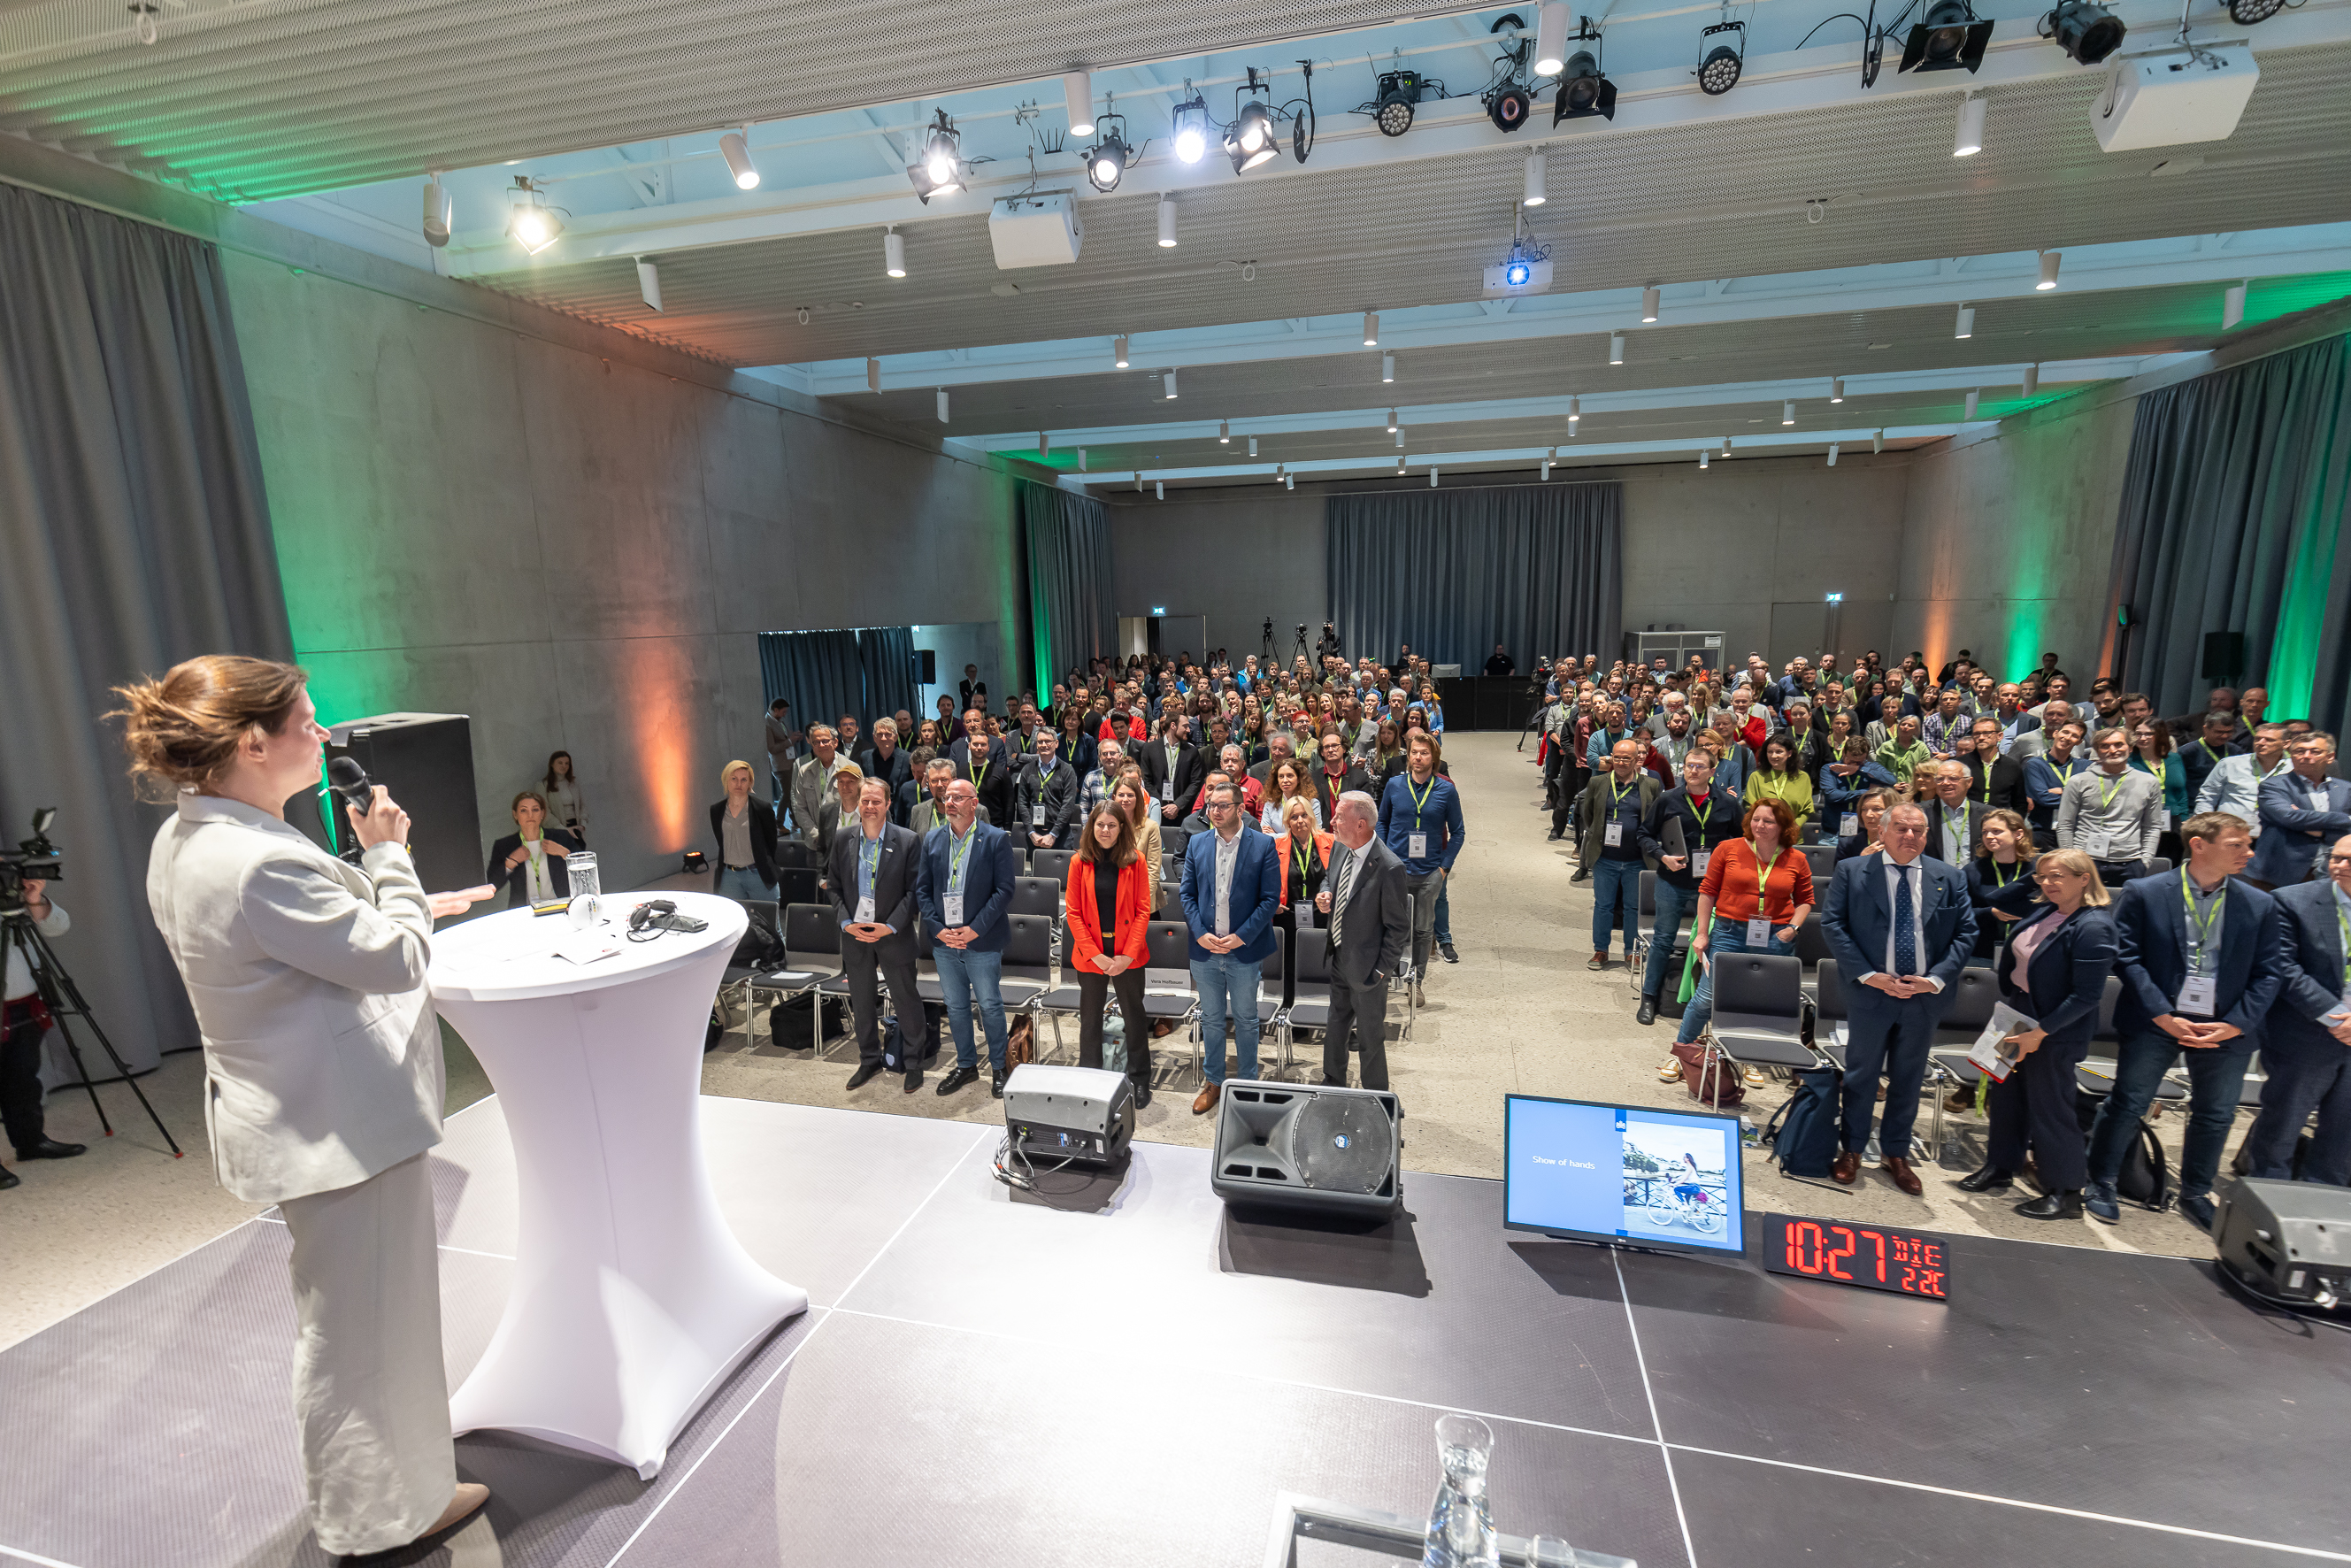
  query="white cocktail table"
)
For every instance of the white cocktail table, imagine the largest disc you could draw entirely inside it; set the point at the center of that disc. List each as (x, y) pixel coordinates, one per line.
(632, 1299)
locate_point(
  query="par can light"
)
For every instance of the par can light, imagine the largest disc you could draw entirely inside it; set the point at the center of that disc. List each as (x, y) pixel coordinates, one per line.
(1950, 39)
(2086, 31)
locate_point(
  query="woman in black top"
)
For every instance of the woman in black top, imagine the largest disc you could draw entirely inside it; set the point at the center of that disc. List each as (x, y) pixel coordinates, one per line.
(748, 823)
(530, 860)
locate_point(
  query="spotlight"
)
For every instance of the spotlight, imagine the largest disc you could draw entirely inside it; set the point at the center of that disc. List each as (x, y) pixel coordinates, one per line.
(1290, 481)
(2049, 259)
(1534, 196)
(1190, 121)
(436, 212)
(873, 374)
(1833, 454)
(2233, 306)
(943, 405)
(1574, 411)
(1392, 111)
(1392, 421)
(1250, 140)
(939, 170)
(1224, 432)
(1082, 459)
(737, 153)
(1551, 39)
(894, 252)
(1044, 444)
(1546, 468)
(1704, 458)
(1966, 326)
(1118, 351)
(1616, 348)
(2086, 31)
(1371, 328)
(1432, 479)
(1584, 91)
(1252, 445)
(1160, 485)
(1170, 380)
(2245, 13)
(1877, 443)
(1166, 222)
(1387, 369)
(649, 283)
(1107, 160)
(1399, 433)
(1968, 141)
(1950, 39)
(534, 226)
(2031, 379)
(1718, 67)
(1509, 108)
(1078, 92)
(1649, 303)
(1787, 413)
(1725, 446)
(1837, 389)
(1400, 468)
(1971, 414)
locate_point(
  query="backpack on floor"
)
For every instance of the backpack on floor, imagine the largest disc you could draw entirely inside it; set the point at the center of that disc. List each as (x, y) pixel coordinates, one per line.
(1803, 1134)
(2145, 1175)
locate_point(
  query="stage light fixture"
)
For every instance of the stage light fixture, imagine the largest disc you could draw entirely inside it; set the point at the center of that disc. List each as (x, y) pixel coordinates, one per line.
(436, 211)
(1509, 108)
(1371, 328)
(1170, 382)
(533, 225)
(1082, 459)
(649, 283)
(1107, 160)
(1725, 446)
(737, 153)
(1616, 348)
(939, 170)
(2048, 280)
(1393, 110)
(943, 405)
(2247, 12)
(1833, 454)
(1290, 481)
(1399, 433)
(1252, 445)
(873, 374)
(1718, 67)
(2233, 305)
(1969, 416)
(1392, 421)
(1950, 39)
(1574, 411)
(1044, 444)
(1584, 91)
(1704, 458)
(1650, 299)
(1250, 141)
(2031, 381)
(1546, 468)
(1189, 121)
(1877, 443)
(1224, 432)
(1078, 93)
(1968, 140)
(1387, 369)
(1966, 325)
(1432, 479)
(894, 252)
(1837, 389)
(1534, 196)
(1166, 222)
(1788, 414)
(1160, 485)
(1400, 468)
(2086, 30)
(1551, 39)
(1118, 352)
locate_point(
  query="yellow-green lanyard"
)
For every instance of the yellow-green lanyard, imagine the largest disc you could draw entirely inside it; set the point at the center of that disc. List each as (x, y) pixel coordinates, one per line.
(956, 853)
(2202, 928)
(2107, 795)
(1420, 800)
(1762, 875)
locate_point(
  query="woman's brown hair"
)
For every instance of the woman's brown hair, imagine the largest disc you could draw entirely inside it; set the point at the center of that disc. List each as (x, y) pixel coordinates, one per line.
(183, 730)
(1090, 848)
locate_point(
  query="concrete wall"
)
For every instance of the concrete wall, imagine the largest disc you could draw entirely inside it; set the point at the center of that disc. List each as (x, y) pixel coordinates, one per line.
(2007, 540)
(1234, 554)
(579, 550)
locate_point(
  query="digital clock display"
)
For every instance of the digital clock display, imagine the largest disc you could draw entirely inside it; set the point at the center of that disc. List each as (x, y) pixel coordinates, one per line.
(1871, 1256)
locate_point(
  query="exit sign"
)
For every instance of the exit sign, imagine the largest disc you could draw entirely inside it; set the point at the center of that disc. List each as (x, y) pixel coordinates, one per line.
(1159, 610)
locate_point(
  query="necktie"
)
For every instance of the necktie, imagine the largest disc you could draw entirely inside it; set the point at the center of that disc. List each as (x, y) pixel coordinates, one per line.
(1906, 924)
(1339, 897)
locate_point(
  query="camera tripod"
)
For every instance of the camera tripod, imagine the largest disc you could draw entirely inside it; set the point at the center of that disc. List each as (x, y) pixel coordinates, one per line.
(64, 999)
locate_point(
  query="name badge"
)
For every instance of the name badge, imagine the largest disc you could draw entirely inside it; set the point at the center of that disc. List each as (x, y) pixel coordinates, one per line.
(954, 900)
(1168, 790)
(1759, 932)
(1697, 862)
(1304, 906)
(1849, 825)
(1035, 816)
(1415, 846)
(2095, 845)
(2200, 996)
(1615, 837)
(865, 911)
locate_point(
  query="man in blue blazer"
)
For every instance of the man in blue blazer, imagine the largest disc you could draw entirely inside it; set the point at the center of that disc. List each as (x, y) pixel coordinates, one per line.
(1232, 889)
(2198, 950)
(2307, 1049)
(1901, 927)
(964, 891)
(2302, 812)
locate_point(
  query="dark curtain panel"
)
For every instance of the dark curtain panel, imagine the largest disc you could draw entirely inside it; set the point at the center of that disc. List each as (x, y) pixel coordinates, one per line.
(817, 672)
(1536, 567)
(886, 655)
(133, 534)
(2233, 505)
(1070, 601)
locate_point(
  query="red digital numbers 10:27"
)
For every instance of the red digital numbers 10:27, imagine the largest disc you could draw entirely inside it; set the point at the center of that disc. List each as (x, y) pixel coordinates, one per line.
(1861, 1255)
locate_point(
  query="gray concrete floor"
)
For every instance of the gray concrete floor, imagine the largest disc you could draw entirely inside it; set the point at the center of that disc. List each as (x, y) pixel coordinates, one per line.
(1520, 1014)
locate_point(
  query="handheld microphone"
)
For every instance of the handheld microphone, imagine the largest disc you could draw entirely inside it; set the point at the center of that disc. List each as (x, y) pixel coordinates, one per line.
(347, 781)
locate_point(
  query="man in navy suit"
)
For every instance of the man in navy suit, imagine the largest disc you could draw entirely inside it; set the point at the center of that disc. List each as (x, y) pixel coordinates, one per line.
(1232, 889)
(1901, 928)
(2302, 812)
(964, 891)
(873, 881)
(2197, 951)
(2307, 1049)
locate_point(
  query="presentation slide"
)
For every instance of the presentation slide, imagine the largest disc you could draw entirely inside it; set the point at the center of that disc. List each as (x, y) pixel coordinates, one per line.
(1617, 1172)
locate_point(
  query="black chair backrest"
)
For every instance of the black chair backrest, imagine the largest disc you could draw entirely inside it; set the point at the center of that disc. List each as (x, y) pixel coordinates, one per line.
(1171, 946)
(1764, 984)
(1812, 945)
(1174, 841)
(1054, 864)
(796, 885)
(2107, 999)
(1828, 991)
(1171, 897)
(1648, 894)
(2157, 866)
(810, 929)
(1824, 864)
(1972, 999)
(1171, 865)
(1030, 946)
(1313, 956)
(794, 853)
(1276, 964)
(1037, 895)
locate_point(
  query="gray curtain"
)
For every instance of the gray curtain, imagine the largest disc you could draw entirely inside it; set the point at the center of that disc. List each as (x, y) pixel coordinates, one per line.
(133, 534)
(1536, 567)
(817, 672)
(1070, 604)
(2233, 501)
(886, 656)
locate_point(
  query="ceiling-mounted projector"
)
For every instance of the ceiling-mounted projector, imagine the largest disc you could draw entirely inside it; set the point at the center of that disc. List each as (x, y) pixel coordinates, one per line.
(2171, 95)
(1040, 230)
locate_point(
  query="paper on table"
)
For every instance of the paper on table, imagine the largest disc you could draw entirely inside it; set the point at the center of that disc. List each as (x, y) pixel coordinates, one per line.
(1991, 1050)
(587, 948)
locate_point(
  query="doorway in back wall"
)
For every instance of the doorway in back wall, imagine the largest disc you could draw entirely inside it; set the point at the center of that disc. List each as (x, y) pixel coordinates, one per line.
(953, 645)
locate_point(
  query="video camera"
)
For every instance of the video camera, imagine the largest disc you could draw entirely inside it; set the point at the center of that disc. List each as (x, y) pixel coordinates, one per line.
(34, 859)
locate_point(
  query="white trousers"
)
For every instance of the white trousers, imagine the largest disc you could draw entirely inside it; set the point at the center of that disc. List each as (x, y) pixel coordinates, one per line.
(370, 1390)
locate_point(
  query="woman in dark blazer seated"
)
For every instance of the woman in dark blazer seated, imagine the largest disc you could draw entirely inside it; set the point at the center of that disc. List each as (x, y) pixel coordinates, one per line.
(2054, 971)
(745, 827)
(530, 860)
(1108, 912)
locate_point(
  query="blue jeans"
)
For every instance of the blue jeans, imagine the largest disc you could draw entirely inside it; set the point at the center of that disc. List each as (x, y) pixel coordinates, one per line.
(1672, 904)
(744, 884)
(1615, 885)
(1729, 937)
(1228, 988)
(1443, 913)
(967, 979)
(2215, 1081)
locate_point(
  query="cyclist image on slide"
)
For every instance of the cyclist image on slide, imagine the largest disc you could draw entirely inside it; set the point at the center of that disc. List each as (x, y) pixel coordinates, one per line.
(1676, 1190)
(1687, 1186)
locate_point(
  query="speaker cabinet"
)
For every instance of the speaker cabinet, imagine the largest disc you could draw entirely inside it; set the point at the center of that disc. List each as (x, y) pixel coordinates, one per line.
(426, 760)
(2290, 1239)
(2224, 655)
(926, 666)
(1300, 1146)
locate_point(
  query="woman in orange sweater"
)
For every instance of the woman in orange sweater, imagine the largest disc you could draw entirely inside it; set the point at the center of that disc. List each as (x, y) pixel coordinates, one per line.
(1109, 917)
(1758, 890)
(1305, 859)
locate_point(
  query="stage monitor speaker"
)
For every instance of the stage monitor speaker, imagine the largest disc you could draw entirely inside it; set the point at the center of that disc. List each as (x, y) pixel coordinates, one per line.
(2224, 655)
(1084, 1115)
(1301, 1146)
(926, 666)
(426, 760)
(2290, 1239)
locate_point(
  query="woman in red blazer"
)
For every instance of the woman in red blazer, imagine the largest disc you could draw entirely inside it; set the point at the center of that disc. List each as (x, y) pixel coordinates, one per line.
(1108, 912)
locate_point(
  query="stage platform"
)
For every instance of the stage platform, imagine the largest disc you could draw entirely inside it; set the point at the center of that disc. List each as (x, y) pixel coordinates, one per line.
(1124, 1375)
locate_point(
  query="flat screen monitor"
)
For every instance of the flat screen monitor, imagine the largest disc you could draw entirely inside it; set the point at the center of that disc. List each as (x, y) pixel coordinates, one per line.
(1621, 1173)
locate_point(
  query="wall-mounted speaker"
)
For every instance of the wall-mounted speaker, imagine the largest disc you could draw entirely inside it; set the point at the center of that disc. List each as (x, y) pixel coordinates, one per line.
(1302, 1147)
(926, 666)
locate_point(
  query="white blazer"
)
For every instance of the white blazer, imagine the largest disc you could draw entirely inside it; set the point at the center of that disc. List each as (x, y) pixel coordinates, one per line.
(322, 1054)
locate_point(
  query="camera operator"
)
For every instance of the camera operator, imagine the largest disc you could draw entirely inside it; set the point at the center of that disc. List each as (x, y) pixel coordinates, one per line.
(24, 1022)
(1329, 646)
(322, 1060)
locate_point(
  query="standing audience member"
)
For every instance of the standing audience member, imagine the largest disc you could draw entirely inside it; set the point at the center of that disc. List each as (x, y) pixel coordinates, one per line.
(1045, 799)
(964, 890)
(1619, 798)
(1370, 921)
(780, 739)
(1757, 894)
(886, 758)
(812, 781)
(1995, 881)
(1232, 885)
(872, 875)
(2302, 812)
(1107, 907)
(2047, 773)
(1173, 767)
(2200, 956)
(1780, 778)
(1708, 818)
(1420, 821)
(1994, 781)
(985, 762)
(2306, 1051)
(23, 1021)
(2112, 813)
(1335, 773)
(1128, 796)
(746, 832)
(567, 806)
(1953, 820)
(530, 860)
(1305, 859)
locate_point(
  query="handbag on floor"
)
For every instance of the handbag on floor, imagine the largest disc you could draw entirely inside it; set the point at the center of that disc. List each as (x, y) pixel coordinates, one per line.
(1718, 1086)
(1021, 1042)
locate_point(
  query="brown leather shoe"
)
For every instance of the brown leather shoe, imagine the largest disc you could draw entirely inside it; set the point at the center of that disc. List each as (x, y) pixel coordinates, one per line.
(1847, 1167)
(1899, 1169)
(1209, 1094)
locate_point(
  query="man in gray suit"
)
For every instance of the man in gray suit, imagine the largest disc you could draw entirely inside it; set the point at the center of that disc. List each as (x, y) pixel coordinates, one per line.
(1371, 928)
(872, 882)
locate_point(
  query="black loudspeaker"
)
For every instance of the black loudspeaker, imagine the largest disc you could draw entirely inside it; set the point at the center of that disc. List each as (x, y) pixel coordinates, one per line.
(2224, 655)
(2288, 1239)
(1292, 1145)
(426, 760)
(926, 666)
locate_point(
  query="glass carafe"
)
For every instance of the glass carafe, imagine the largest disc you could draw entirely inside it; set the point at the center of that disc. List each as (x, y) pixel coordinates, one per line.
(579, 873)
(1460, 1526)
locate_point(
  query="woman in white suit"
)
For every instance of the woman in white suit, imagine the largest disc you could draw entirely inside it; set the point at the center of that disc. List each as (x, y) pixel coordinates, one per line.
(323, 1077)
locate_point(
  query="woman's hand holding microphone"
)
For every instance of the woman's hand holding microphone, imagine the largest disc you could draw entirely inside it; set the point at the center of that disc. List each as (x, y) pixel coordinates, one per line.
(384, 822)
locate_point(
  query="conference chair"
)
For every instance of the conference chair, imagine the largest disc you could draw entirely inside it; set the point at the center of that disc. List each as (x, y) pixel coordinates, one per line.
(811, 957)
(1167, 993)
(1812, 944)
(1274, 971)
(1823, 859)
(1174, 841)
(1759, 1011)
(796, 885)
(736, 983)
(1171, 896)
(1041, 896)
(1027, 961)
(1062, 1000)
(1829, 1016)
(794, 854)
(1171, 864)
(1310, 992)
(1053, 863)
